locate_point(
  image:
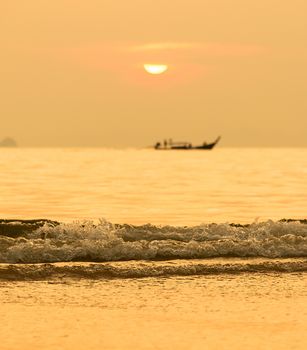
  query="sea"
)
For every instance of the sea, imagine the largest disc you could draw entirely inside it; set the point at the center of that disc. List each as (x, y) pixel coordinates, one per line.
(147, 249)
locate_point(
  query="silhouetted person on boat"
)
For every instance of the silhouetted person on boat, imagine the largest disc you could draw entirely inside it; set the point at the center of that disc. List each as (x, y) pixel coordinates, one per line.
(165, 143)
(157, 145)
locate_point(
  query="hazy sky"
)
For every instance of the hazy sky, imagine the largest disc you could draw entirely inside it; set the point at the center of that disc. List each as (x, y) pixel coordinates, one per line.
(71, 72)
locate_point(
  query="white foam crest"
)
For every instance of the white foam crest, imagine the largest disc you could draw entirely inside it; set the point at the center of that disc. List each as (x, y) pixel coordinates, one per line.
(86, 241)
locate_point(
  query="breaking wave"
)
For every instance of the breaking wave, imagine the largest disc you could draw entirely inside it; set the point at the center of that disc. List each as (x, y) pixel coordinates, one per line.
(45, 241)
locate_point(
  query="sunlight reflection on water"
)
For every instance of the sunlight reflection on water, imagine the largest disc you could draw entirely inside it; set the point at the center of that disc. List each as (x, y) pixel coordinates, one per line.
(141, 186)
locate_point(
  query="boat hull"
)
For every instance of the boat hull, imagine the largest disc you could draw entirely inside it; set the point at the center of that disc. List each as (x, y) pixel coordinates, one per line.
(188, 147)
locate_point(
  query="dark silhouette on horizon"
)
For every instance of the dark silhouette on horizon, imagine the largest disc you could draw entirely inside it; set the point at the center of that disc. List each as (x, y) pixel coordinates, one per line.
(185, 145)
(8, 142)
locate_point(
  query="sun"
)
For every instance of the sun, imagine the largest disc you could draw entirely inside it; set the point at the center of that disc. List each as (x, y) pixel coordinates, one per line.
(155, 68)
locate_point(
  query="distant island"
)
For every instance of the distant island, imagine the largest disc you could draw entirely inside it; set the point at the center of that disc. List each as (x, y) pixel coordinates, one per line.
(8, 142)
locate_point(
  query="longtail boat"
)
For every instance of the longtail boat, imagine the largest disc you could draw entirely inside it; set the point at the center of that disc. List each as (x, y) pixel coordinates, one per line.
(185, 145)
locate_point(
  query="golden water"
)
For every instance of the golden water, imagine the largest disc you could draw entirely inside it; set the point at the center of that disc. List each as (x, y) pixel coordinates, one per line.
(77, 305)
(148, 186)
(258, 311)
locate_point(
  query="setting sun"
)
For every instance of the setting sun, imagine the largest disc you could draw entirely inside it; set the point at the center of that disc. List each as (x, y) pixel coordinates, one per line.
(155, 68)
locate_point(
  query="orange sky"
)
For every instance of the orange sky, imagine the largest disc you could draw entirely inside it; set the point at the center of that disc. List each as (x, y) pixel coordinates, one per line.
(72, 72)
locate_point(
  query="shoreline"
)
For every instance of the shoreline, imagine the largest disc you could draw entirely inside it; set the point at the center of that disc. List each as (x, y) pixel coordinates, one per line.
(63, 271)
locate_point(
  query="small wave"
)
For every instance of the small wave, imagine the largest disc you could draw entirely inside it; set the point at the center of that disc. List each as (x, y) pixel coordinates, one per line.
(60, 271)
(50, 241)
(21, 228)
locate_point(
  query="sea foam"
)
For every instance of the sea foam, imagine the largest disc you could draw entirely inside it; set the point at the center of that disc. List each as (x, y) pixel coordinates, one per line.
(49, 241)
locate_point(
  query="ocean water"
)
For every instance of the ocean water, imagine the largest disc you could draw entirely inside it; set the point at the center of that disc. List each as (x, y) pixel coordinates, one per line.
(141, 249)
(147, 186)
